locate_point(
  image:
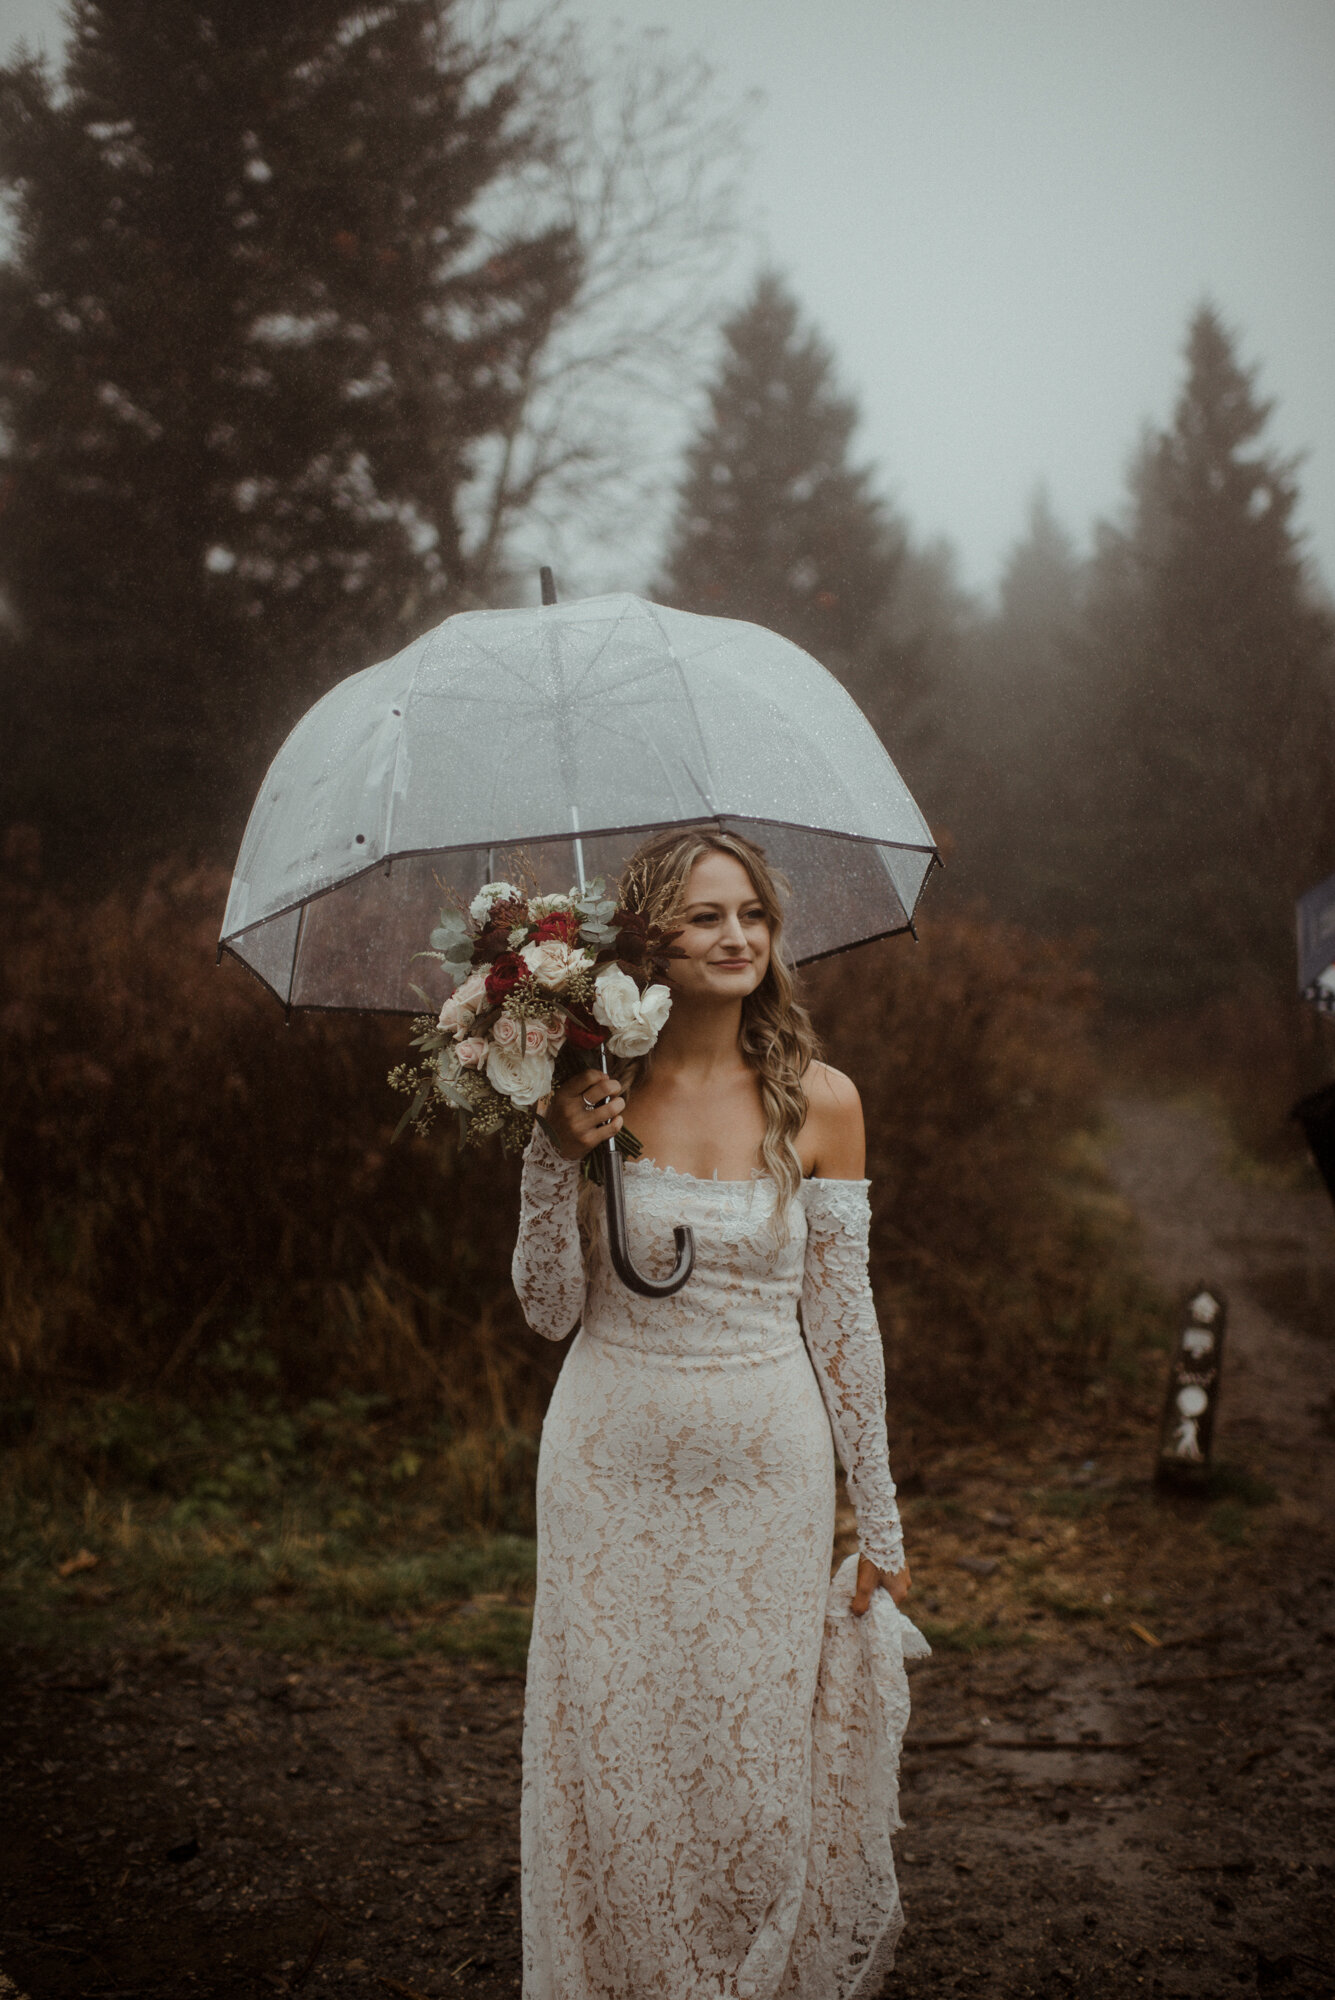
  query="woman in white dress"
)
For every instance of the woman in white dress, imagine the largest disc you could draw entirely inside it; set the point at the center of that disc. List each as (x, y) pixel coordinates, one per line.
(712, 1727)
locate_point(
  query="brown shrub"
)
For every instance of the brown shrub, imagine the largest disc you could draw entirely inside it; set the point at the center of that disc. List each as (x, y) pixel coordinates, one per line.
(972, 1054)
(178, 1164)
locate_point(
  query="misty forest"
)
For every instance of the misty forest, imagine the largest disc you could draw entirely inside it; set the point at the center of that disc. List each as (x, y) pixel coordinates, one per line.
(318, 324)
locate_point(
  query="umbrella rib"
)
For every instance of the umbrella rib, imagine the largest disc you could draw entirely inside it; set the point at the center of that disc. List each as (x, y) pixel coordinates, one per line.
(677, 668)
(427, 648)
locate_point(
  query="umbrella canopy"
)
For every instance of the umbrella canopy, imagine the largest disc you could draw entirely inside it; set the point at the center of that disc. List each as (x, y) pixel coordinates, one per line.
(571, 731)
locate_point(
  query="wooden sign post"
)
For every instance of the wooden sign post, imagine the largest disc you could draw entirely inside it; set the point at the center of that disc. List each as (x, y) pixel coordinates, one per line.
(1186, 1434)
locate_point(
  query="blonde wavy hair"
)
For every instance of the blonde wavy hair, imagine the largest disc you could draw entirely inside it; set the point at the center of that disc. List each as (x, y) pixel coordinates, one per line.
(777, 1039)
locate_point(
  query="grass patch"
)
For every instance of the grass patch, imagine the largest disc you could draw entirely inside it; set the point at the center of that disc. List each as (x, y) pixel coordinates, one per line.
(931, 1508)
(1228, 1523)
(1235, 1482)
(1063, 1603)
(1072, 1503)
(969, 1638)
(327, 1529)
(291, 1585)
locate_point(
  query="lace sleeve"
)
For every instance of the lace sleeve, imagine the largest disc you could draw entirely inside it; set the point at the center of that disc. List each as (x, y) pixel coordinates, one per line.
(839, 1319)
(548, 1264)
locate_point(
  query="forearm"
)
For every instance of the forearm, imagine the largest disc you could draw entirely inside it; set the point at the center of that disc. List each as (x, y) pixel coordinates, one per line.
(839, 1319)
(548, 1264)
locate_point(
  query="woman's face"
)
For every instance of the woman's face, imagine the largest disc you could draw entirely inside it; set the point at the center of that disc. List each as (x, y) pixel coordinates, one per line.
(724, 932)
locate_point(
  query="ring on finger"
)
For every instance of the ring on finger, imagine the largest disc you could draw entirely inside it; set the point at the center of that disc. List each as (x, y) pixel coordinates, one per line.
(591, 1107)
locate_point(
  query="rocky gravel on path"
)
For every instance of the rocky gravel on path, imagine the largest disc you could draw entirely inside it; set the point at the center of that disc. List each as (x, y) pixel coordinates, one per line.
(1096, 1805)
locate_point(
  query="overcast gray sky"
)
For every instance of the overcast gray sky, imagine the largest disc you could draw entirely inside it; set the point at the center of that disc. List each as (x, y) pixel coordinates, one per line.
(1001, 212)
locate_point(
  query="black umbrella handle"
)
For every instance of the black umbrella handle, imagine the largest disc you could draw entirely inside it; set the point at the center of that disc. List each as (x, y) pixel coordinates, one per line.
(614, 1188)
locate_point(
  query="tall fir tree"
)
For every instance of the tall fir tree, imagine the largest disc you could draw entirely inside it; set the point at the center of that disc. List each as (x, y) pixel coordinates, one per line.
(774, 523)
(249, 339)
(1207, 771)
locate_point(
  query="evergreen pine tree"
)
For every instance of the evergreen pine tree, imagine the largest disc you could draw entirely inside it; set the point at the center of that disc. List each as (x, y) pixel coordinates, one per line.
(249, 338)
(773, 523)
(1208, 763)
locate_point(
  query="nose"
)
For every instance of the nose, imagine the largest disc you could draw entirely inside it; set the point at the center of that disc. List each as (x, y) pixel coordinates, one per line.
(734, 937)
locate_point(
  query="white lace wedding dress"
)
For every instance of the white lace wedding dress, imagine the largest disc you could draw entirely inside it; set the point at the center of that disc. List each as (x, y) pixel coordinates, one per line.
(711, 1739)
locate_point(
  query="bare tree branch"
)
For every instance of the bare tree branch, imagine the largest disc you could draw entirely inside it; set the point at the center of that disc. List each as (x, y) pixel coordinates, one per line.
(646, 170)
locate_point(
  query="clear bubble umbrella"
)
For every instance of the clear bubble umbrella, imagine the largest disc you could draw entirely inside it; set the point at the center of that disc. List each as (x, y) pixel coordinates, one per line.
(571, 731)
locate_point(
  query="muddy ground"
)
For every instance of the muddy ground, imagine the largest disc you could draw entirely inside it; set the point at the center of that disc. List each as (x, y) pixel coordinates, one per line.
(1128, 1791)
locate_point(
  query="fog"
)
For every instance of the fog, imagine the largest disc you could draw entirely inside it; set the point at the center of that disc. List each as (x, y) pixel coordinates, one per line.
(1001, 214)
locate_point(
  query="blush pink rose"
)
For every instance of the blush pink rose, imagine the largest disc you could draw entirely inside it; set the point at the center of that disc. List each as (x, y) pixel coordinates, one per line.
(472, 1053)
(507, 1033)
(464, 1004)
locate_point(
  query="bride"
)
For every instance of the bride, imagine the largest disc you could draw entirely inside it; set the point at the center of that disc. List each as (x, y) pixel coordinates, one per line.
(712, 1728)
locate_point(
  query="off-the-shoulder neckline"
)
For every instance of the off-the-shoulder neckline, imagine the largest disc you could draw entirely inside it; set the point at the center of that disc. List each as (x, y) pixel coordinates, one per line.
(756, 1174)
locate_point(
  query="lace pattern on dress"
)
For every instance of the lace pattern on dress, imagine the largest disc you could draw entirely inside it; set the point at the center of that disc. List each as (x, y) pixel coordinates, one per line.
(548, 1264)
(711, 1739)
(839, 1319)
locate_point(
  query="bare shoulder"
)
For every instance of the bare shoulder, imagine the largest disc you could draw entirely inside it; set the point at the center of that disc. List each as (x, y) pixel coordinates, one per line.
(834, 1144)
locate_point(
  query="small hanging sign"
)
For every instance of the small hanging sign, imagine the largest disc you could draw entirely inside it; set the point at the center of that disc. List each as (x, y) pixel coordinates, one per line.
(1187, 1431)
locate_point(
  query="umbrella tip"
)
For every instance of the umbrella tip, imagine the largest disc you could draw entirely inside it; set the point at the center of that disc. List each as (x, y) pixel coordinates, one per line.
(548, 583)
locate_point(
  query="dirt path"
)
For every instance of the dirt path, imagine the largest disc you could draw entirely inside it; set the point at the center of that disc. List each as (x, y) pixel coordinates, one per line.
(1085, 1812)
(1197, 1857)
(1271, 1250)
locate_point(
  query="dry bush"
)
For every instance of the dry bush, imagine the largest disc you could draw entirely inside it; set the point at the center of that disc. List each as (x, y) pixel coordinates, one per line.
(995, 1260)
(187, 1179)
(178, 1164)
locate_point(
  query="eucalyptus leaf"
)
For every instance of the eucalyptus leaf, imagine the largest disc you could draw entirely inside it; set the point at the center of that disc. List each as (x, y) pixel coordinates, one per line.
(410, 1115)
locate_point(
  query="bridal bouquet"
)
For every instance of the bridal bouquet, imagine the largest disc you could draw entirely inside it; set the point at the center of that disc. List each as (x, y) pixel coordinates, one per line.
(543, 983)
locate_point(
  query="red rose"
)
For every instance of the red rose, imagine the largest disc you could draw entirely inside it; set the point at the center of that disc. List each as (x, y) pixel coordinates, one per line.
(508, 972)
(562, 925)
(582, 1031)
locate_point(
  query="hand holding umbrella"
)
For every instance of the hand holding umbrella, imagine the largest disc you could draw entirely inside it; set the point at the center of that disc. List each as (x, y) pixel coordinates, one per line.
(544, 984)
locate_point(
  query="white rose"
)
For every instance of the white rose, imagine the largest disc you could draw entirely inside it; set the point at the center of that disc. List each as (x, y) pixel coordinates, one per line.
(553, 961)
(634, 1018)
(615, 997)
(549, 906)
(491, 892)
(655, 1006)
(523, 1079)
